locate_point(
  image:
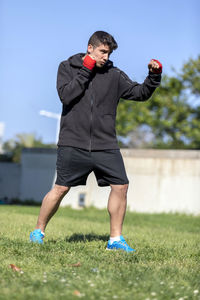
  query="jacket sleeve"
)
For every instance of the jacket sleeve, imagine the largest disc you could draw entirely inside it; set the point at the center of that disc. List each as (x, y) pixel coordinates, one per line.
(70, 87)
(131, 90)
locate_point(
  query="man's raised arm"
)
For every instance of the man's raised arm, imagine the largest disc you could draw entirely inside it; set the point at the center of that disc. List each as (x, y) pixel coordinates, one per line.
(68, 87)
(131, 90)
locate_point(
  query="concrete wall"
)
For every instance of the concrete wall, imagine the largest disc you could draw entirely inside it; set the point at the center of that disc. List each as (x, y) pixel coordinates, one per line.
(10, 175)
(164, 181)
(37, 173)
(159, 180)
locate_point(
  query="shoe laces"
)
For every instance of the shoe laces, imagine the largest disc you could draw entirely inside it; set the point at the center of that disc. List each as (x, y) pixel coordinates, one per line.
(123, 243)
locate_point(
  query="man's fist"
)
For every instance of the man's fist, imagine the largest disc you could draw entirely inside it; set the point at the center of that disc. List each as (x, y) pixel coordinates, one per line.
(155, 66)
(89, 62)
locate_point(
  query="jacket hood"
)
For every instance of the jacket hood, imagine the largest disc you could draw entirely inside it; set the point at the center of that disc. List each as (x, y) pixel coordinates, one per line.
(76, 61)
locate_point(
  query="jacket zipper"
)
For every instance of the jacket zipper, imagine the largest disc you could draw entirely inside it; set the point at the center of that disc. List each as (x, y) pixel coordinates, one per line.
(91, 102)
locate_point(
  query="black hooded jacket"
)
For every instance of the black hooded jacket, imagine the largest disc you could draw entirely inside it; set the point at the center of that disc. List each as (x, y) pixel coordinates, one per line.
(90, 100)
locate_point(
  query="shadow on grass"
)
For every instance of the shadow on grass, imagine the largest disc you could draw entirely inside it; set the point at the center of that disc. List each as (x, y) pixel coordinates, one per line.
(79, 237)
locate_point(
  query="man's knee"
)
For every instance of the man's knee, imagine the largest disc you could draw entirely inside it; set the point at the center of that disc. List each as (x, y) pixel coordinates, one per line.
(120, 188)
(61, 190)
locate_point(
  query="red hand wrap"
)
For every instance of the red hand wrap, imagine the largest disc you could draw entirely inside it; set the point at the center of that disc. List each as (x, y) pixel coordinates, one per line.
(88, 62)
(158, 71)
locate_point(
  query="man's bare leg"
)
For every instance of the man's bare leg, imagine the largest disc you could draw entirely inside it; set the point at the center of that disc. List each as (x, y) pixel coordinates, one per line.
(117, 208)
(50, 205)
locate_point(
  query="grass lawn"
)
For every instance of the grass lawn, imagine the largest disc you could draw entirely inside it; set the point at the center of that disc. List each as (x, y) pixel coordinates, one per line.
(165, 266)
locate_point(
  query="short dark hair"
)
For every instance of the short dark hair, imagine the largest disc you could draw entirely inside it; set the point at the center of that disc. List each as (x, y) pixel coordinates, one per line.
(102, 37)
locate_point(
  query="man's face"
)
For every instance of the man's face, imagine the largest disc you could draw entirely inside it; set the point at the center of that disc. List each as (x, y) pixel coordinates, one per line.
(100, 54)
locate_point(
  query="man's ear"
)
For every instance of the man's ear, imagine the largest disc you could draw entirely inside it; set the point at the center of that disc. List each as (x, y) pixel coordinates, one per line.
(90, 49)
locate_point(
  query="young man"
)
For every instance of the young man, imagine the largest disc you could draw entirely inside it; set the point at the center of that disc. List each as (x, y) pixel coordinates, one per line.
(90, 87)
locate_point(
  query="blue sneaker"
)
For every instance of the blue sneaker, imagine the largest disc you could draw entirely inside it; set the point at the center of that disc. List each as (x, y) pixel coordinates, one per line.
(120, 245)
(36, 236)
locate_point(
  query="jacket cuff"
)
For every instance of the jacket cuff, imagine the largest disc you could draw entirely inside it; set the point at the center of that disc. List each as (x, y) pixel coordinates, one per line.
(154, 78)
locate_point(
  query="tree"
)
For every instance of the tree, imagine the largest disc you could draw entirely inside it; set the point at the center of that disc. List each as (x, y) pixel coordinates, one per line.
(14, 146)
(169, 117)
(190, 75)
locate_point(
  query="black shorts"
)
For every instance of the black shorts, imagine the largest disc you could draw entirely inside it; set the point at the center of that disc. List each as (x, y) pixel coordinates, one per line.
(75, 164)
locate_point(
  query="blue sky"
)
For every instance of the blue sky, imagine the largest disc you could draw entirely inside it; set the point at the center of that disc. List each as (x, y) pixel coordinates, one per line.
(36, 36)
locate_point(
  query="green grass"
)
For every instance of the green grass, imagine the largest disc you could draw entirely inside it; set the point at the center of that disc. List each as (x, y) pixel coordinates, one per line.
(165, 266)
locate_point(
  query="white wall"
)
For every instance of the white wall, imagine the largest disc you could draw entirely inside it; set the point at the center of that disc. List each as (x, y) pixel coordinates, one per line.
(169, 183)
